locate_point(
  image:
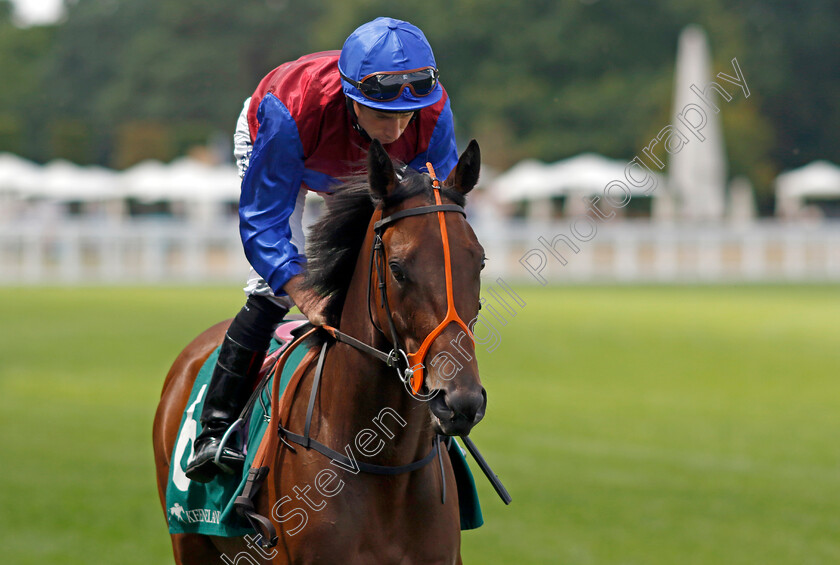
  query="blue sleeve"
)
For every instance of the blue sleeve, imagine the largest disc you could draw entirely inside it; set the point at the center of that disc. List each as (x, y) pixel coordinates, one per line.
(269, 193)
(442, 151)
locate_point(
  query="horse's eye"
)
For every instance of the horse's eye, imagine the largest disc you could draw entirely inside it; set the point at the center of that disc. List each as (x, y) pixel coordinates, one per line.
(397, 271)
(483, 261)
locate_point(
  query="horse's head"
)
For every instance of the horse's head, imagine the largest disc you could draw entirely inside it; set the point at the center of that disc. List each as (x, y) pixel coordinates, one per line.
(430, 261)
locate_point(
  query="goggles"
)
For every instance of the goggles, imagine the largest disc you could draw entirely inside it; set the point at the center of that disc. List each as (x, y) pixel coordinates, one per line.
(387, 86)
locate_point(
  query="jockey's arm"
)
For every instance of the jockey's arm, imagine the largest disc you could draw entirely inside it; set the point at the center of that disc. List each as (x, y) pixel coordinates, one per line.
(270, 199)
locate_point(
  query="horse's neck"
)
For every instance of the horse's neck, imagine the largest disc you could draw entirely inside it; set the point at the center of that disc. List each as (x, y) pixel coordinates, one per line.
(364, 393)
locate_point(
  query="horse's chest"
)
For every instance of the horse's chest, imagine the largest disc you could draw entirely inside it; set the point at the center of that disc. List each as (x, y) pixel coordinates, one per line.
(361, 528)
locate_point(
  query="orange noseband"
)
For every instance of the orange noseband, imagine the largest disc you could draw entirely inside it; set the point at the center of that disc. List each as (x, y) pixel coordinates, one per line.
(416, 359)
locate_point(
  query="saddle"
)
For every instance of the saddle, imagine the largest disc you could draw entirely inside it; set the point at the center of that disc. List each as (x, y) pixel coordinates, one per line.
(285, 334)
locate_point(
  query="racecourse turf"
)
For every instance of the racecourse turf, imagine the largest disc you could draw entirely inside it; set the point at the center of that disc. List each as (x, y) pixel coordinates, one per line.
(632, 425)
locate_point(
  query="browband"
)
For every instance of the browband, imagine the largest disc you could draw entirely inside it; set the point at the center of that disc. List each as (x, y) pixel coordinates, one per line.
(417, 212)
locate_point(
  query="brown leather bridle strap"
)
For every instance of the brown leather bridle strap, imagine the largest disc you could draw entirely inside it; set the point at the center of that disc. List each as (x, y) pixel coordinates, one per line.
(417, 212)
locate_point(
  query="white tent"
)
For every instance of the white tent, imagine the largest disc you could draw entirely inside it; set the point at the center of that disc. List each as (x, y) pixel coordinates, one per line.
(585, 174)
(588, 173)
(523, 181)
(184, 179)
(57, 180)
(815, 180)
(145, 181)
(18, 176)
(66, 181)
(819, 180)
(194, 180)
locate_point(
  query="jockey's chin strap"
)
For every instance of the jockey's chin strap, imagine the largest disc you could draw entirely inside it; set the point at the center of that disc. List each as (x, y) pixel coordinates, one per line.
(409, 366)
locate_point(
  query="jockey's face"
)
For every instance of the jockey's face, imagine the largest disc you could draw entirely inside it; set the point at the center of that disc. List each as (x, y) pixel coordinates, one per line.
(387, 127)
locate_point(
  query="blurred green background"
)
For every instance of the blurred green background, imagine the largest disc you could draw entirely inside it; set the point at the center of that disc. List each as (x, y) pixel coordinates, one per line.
(632, 425)
(117, 81)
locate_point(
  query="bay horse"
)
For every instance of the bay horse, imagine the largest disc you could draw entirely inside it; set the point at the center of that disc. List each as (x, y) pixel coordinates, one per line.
(428, 262)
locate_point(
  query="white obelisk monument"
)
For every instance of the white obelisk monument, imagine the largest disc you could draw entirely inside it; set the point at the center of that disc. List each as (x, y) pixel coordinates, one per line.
(697, 173)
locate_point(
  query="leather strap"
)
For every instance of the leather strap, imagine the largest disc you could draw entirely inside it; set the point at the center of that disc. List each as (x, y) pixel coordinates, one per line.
(417, 212)
(363, 467)
(318, 370)
(342, 337)
(269, 443)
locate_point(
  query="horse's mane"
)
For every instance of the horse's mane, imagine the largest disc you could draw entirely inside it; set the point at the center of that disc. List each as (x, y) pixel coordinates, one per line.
(335, 240)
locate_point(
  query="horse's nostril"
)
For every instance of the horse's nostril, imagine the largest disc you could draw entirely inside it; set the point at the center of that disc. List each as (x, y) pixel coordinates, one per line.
(467, 403)
(440, 406)
(483, 408)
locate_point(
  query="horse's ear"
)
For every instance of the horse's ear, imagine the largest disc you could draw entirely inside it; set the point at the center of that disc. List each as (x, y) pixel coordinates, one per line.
(381, 174)
(465, 174)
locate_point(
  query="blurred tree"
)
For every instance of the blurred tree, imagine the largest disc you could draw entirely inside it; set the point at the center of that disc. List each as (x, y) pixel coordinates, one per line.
(139, 140)
(542, 78)
(794, 61)
(11, 133)
(178, 63)
(190, 134)
(23, 62)
(551, 79)
(71, 140)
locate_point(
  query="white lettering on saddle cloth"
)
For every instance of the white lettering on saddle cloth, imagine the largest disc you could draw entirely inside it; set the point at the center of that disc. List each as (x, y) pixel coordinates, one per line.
(194, 516)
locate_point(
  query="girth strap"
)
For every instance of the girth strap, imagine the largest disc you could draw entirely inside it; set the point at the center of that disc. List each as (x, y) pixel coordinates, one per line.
(348, 463)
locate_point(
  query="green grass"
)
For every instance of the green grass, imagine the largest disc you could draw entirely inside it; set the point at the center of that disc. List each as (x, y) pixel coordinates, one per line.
(649, 425)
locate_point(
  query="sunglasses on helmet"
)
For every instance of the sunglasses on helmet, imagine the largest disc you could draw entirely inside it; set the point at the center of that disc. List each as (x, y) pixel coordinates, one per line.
(387, 86)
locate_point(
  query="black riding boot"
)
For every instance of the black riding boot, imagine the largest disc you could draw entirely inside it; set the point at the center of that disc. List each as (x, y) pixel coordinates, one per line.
(229, 389)
(240, 358)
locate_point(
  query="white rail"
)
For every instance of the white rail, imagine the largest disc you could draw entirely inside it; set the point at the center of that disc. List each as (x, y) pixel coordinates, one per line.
(151, 252)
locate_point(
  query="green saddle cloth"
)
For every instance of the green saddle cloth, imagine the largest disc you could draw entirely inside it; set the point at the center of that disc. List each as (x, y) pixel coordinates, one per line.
(207, 508)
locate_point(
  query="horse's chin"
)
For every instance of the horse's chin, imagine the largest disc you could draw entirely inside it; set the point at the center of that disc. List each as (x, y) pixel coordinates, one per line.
(453, 428)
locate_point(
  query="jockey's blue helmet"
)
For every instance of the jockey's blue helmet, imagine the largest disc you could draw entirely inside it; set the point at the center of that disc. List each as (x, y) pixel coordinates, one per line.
(388, 64)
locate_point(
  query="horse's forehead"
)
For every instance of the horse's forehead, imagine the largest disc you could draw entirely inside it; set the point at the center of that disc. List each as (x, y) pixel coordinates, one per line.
(419, 231)
(421, 198)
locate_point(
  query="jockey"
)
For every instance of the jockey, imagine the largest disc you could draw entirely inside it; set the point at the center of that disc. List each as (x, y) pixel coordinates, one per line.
(309, 122)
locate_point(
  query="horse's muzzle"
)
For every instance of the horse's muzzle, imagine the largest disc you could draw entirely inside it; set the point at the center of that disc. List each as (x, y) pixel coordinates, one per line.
(456, 412)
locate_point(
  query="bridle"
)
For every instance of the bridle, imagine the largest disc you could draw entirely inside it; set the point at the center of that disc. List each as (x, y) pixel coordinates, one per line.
(409, 366)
